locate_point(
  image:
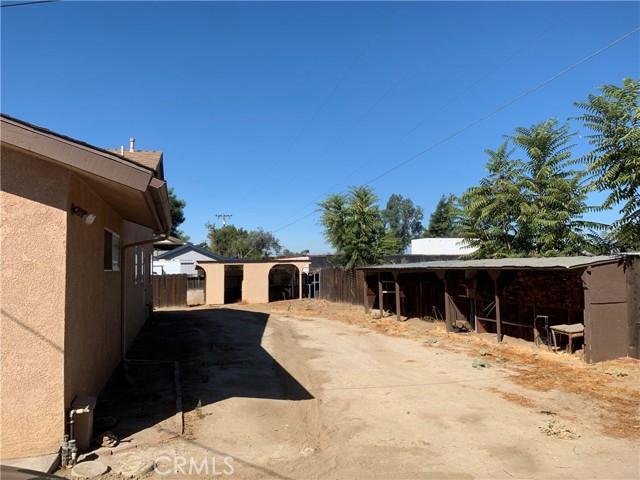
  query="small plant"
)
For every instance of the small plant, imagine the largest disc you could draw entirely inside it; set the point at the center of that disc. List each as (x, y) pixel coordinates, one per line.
(431, 341)
(616, 372)
(557, 429)
(485, 351)
(501, 360)
(480, 363)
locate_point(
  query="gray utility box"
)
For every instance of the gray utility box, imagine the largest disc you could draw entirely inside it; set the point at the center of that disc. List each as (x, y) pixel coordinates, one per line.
(83, 422)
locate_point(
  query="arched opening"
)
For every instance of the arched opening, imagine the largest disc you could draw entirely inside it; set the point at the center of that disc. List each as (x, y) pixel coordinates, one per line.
(284, 283)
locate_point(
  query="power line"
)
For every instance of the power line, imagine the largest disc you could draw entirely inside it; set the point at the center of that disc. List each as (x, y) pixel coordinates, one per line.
(470, 87)
(372, 107)
(484, 117)
(324, 102)
(431, 115)
(502, 107)
(22, 4)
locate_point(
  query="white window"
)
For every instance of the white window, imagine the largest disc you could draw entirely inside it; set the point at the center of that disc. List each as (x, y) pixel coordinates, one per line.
(142, 262)
(111, 251)
(149, 269)
(136, 255)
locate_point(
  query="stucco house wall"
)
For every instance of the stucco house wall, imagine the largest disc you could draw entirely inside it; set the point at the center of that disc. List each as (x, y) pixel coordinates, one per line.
(33, 241)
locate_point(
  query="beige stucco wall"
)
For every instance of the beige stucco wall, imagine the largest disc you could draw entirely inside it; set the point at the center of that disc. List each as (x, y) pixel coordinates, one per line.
(93, 340)
(214, 284)
(33, 241)
(138, 294)
(255, 283)
(92, 336)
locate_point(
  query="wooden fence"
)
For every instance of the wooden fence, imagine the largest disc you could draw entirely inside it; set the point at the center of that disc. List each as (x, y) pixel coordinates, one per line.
(344, 286)
(195, 283)
(169, 291)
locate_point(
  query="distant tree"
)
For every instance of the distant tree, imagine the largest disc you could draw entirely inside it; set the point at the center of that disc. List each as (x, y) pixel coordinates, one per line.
(403, 220)
(443, 222)
(230, 241)
(177, 215)
(260, 244)
(227, 241)
(290, 253)
(354, 227)
(614, 163)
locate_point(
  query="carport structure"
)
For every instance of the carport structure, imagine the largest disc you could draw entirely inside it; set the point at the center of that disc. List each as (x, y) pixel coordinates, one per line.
(253, 281)
(505, 296)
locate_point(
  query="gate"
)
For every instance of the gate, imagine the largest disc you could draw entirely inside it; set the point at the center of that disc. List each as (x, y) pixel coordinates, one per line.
(169, 291)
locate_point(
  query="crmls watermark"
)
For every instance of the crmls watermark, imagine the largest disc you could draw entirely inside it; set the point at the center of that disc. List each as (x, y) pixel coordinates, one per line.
(178, 465)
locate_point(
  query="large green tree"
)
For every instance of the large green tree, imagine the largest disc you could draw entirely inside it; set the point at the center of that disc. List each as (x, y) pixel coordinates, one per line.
(176, 206)
(555, 198)
(532, 206)
(613, 117)
(353, 225)
(403, 220)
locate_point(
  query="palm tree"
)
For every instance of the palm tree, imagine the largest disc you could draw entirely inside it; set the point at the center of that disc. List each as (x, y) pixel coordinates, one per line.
(354, 227)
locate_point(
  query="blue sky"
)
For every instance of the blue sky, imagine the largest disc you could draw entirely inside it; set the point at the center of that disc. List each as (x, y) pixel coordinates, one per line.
(262, 109)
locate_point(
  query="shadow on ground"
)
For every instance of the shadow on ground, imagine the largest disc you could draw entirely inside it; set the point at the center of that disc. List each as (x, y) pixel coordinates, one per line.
(220, 356)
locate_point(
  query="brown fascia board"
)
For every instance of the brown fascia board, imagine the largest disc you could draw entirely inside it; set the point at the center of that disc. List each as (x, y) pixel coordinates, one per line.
(160, 195)
(75, 156)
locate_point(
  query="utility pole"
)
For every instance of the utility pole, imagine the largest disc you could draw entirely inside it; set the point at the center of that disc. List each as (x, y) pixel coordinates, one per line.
(224, 217)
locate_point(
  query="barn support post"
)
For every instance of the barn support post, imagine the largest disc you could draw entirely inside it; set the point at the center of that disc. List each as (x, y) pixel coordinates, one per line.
(365, 291)
(397, 285)
(448, 315)
(299, 283)
(495, 276)
(380, 295)
(633, 306)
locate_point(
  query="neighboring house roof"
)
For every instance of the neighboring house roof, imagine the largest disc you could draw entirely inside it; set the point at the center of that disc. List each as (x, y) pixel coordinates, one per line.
(546, 263)
(189, 247)
(136, 191)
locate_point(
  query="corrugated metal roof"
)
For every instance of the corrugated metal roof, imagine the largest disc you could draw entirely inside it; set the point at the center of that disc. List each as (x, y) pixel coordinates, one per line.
(548, 263)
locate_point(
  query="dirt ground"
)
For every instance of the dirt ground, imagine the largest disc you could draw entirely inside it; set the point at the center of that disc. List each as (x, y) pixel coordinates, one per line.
(310, 389)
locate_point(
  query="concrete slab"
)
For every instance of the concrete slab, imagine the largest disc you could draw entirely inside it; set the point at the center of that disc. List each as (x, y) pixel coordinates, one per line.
(44, 463)
(89, 469)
